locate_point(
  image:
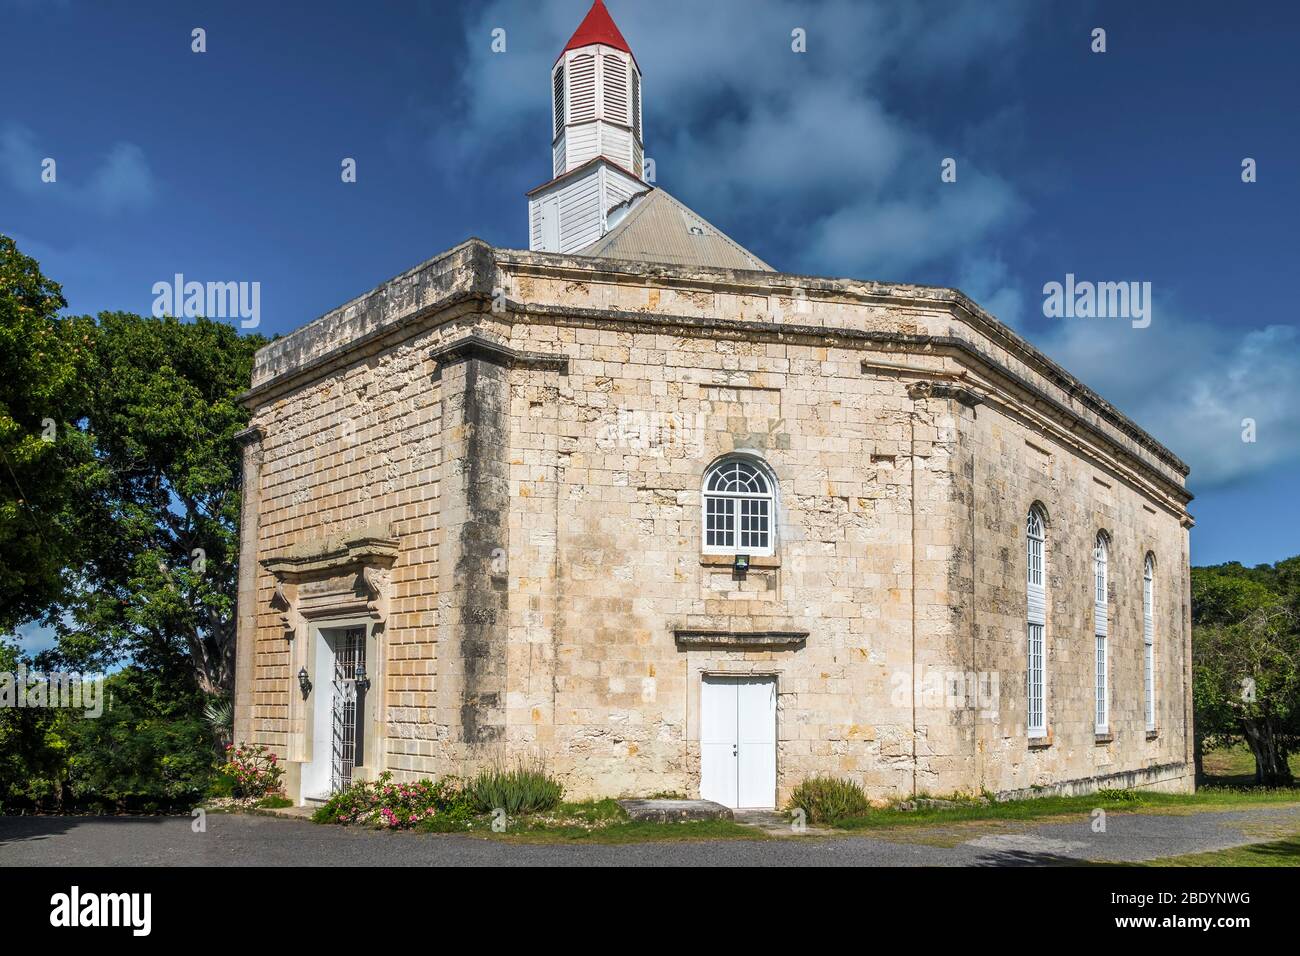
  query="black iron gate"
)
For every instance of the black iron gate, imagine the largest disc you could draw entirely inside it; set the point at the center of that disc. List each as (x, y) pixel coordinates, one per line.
(349, 652)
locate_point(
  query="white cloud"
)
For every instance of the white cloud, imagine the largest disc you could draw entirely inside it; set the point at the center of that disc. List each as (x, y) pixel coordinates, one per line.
(987, 280)
(1191, 383)
(760, 139)
(809, 148)
(121, 181)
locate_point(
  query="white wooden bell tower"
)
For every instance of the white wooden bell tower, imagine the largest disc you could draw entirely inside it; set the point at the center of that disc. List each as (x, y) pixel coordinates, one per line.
(596, 147)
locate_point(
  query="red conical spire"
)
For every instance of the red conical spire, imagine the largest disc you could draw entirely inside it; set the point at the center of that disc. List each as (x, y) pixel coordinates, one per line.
(597, 27)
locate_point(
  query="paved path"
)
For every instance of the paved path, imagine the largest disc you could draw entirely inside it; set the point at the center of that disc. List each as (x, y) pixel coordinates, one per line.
(243, 840)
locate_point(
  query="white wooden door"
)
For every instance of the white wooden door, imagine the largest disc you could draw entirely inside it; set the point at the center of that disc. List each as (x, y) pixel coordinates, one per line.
(316, 773)
(719, 741)
(757, 757)
(738, 741)
(550, 227)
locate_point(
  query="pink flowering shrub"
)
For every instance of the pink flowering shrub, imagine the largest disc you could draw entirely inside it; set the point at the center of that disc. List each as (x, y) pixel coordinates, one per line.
(253, 771)
(398, 806)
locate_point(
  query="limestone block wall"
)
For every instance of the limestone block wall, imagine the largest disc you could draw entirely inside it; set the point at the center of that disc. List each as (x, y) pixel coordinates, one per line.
(1015, 466)
(549, 529)
(358, 448)
(606, 488)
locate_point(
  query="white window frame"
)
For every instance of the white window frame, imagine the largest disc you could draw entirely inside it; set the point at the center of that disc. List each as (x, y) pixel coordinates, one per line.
(1036, 624)
(739, 500)
(1101, 631)
(1149, 640)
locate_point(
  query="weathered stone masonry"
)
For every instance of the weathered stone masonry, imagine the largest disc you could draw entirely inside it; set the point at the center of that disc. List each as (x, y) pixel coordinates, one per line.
(548, 591)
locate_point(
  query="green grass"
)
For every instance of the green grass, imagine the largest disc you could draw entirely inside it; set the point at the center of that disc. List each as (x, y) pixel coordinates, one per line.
(630, 831)
(1235, 766)
(274, 802)
(1277, 853)
(605, 822)
(1041, 808)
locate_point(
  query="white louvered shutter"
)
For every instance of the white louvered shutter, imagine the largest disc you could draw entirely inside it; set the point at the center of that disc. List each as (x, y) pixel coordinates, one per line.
(1100, 601)
(582, 88)
(1036, 594)
(636, 106)
(559, 101)
(614, 89)
(1148, 643)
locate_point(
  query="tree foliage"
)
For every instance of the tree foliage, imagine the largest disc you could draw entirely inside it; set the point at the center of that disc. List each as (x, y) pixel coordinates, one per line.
(45, 460)
(119, 529)
(119, 497)
(162, 523)
(1246, 660)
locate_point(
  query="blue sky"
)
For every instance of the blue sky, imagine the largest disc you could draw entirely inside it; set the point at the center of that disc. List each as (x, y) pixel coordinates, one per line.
(1124, 165)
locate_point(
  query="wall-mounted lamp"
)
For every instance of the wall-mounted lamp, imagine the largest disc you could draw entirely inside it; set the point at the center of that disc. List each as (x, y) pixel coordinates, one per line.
(360, 675)
(741, 564)
(304, 683)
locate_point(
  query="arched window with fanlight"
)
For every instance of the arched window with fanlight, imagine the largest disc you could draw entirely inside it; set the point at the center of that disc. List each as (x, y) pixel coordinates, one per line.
(1101, 629)
(1036, 626)
(1149, 639)
(739, 507)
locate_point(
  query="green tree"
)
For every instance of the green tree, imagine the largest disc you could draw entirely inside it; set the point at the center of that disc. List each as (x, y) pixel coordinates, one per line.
(120, 481)
(1246, 664)
(34, 751)
(162, 525)
(150, 750)
(45, 459)
(119, 526)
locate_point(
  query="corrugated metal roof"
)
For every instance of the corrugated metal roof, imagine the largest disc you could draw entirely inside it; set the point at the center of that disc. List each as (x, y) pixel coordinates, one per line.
(658, 228)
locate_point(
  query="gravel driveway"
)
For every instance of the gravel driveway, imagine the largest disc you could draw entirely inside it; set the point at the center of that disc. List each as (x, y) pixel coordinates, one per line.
(246, 840)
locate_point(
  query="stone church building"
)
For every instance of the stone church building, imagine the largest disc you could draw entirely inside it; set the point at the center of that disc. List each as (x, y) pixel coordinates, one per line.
(640, 505)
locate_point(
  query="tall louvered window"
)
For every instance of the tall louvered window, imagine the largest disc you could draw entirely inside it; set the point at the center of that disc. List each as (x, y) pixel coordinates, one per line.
(1149, 640)
(615, 89)
(582, 88)
(739, 504)
(1035, 551)
(636, 105)
(559, 100)
(1101, 602)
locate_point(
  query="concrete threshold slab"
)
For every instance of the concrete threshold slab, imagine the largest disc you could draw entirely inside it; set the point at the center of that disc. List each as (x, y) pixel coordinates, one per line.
(674, 811)
(776, 823)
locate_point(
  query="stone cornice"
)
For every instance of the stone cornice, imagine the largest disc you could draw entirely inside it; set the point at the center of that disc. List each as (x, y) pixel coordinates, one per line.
(690, 637)
(433, 293)
(331, 554)
(251, 435)
(925, 389)
(474, 346)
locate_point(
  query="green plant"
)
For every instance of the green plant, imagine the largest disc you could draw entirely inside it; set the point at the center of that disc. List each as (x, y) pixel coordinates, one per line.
(429, 804)
(255, 770)
(274, 802)
(219, 712)
(1120, 796)
(524, 788)
(149, 751)
(827, 799)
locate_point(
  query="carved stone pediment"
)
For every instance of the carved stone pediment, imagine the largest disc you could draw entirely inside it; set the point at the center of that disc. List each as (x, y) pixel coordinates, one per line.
(339, 575)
